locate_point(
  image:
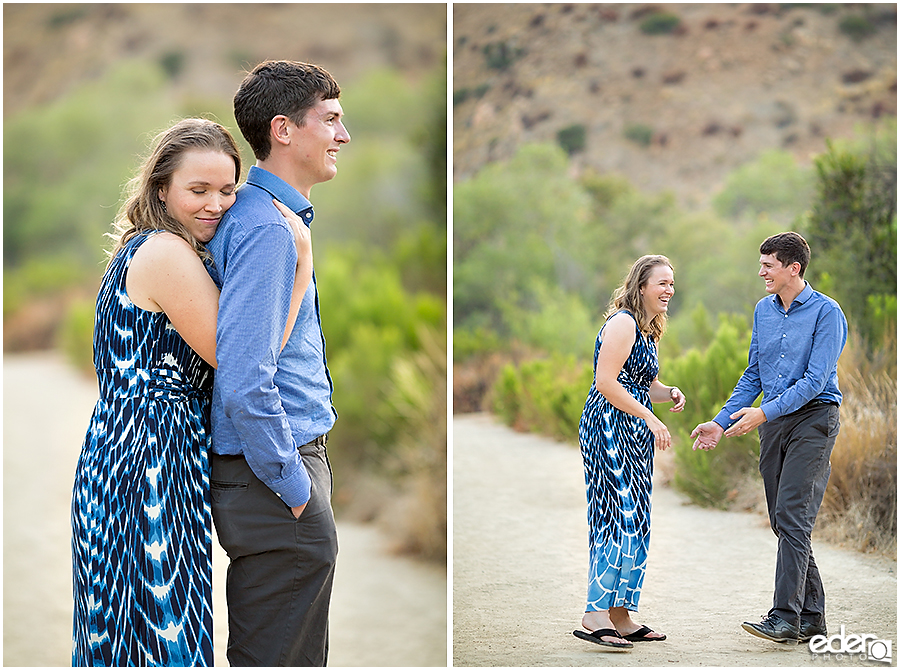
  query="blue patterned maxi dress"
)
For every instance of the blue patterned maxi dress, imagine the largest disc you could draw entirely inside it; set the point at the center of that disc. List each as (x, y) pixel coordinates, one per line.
(617, 449)
(141, 543)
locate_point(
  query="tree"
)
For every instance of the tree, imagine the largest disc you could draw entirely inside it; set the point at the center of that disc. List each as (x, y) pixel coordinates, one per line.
(852, 230)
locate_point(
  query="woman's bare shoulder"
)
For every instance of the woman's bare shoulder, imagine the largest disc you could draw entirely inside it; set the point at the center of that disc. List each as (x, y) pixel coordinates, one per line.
(165, 248)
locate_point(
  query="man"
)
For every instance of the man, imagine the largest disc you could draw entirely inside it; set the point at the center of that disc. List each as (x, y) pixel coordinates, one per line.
(798, 335)
(271, 481)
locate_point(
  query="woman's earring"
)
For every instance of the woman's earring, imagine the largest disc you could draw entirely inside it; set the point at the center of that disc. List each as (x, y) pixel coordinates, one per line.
(164, 205)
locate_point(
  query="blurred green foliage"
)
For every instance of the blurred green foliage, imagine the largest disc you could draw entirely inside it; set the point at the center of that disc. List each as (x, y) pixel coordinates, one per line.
(773, 185)
(66, 163)
(369, 321)
(537, 255)
(543, 395)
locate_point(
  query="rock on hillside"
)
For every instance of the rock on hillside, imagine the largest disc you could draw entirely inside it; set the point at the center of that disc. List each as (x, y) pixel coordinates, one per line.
(728, 82)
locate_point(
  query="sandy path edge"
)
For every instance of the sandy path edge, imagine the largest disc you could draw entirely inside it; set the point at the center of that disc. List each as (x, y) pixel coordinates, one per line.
(386, 610)
(520, 565)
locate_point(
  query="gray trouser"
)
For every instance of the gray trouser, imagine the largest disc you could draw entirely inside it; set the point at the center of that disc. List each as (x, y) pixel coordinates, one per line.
(794, 461)
(280, 575)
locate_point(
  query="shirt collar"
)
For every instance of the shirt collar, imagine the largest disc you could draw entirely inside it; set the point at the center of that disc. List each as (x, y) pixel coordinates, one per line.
(801, 298)
(278, 189)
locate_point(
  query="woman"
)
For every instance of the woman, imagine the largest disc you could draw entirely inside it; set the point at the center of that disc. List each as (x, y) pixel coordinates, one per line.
(142, 572)
(617, 432)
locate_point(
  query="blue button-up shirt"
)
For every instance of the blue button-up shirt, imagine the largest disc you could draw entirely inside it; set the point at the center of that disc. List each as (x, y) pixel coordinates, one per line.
(267, 401)
(793, 356)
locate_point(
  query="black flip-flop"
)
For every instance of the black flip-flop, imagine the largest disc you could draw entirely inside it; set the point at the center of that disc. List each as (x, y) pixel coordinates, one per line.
(640, 635)
(595, 636)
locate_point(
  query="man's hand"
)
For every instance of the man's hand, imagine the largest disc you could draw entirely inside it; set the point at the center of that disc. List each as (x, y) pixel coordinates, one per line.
(707, 435)
(750, 419)
(297, 511)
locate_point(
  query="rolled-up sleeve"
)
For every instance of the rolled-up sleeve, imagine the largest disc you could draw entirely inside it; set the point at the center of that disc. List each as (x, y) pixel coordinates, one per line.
(253, 311)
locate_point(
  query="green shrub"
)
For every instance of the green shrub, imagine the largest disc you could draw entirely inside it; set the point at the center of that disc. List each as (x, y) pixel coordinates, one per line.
(55, 198)
(463, 94)
(639, 133)
(856, 27)
(460, 95)
(370, 321)
(660, 23)
(76, 337)
(707, 379)
(544, 396)
(41, 277)
(469, 342)
(773, 184)
(506, 395)
(500, 55)
(572, 138)
(172, 63)
(64, 17)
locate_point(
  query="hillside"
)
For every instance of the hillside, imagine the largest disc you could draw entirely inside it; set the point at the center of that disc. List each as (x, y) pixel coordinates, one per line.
(48, 49)
(730, 81)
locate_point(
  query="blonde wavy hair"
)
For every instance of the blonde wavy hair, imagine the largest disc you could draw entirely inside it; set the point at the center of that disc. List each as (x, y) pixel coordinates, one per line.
(142, 209)
(628, 296)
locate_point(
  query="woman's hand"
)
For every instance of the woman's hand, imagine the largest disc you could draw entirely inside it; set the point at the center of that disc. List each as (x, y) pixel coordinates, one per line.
(660, 432)
(303, 240)
(678, 398)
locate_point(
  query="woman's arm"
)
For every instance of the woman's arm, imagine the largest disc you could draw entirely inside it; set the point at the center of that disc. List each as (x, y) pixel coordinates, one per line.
(618, 339)
(303, 240)
(659, 392)
(166, 275)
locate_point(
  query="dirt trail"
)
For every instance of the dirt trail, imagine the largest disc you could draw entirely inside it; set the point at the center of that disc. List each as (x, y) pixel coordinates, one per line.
(520, 568)
(386, 610)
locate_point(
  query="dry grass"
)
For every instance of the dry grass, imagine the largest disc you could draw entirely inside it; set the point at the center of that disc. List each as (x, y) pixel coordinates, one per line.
(416, 518)
(860, 506)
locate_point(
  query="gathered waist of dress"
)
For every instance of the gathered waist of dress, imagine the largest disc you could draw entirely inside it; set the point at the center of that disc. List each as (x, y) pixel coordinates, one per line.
(632, 386)
(153, 383)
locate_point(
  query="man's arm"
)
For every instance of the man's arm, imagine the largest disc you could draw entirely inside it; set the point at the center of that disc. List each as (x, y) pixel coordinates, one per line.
(749, 386)
(253, 313)
(746, 391)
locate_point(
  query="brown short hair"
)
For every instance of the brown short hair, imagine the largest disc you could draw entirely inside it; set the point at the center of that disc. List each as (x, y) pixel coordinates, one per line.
(788, 248)
(277, 87)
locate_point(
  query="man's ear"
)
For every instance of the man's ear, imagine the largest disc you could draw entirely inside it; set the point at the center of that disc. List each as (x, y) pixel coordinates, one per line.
(279, 129)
